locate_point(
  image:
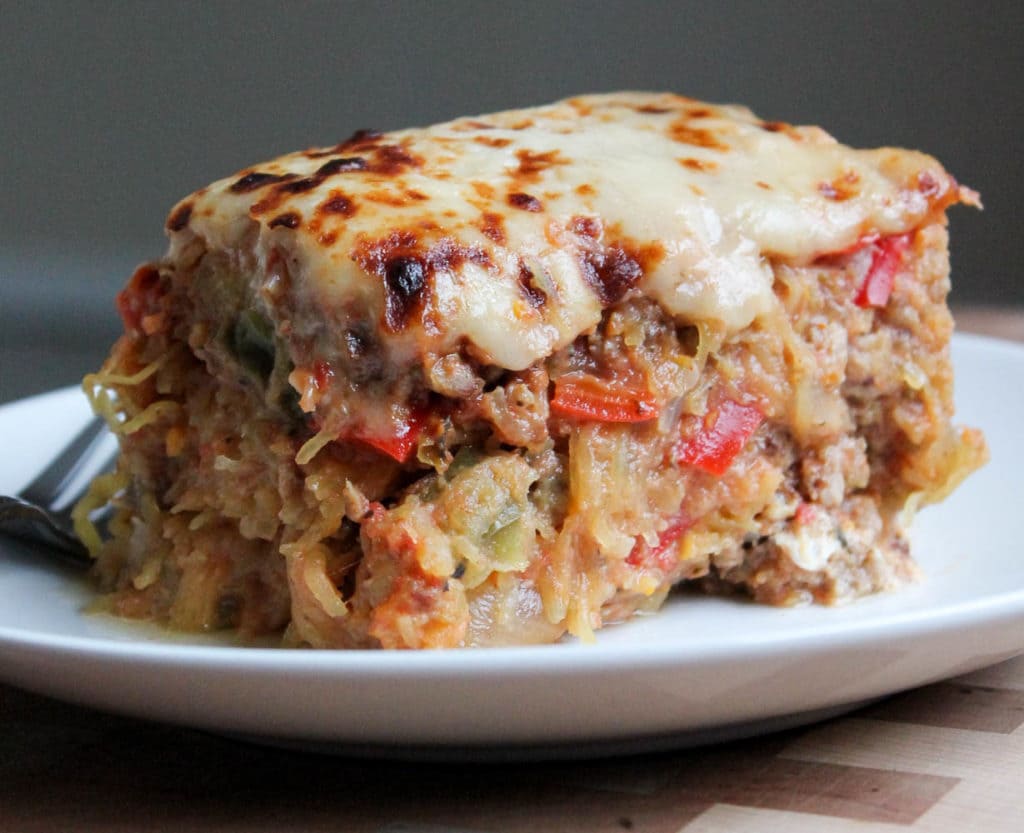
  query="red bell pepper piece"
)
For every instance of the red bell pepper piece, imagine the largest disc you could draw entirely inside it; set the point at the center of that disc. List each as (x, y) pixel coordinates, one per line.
(886, 257)
(805, 513)
(659, 555)
(588, 398)
(725, 431)
(398, 446)
(323, 374)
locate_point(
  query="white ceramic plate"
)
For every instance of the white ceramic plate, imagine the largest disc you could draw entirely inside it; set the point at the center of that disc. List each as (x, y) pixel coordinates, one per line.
(701, 669)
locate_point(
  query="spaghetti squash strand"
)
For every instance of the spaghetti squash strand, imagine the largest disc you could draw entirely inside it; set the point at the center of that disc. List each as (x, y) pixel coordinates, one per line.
(103, 489)
(150, 414)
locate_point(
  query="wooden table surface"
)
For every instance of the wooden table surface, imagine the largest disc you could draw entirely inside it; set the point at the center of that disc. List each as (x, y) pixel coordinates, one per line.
(948, 757)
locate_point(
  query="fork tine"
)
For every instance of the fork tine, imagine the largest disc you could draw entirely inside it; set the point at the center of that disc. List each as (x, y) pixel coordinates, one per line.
(51, 482)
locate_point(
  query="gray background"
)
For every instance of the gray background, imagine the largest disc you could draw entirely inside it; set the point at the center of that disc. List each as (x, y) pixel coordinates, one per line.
(110, 112)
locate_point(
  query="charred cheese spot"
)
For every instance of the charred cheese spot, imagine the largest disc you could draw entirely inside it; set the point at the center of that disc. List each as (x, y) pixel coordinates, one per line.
(581, 107)
(775, 126)
(407, 267)
(362, 135)
(397, 261)
(527, 283)
(389, 160)
(290, 219)
(648, 255)
(483, 190)
(681, 131)
(404, 278)
(359, 140)
(287, 185)
(448, 254)
(258, 179)
(610, 272)
(179, 217)
(371, 254)
(493, 141)
(492, 226)
(338, 204)
(263, 206)
(699, 113)
(384, 197)
(396, 199)
(533, 164)
(586, 190)
(702, 165)
(652, 110)
(299, 186)
(524, 202)
(841, 188)
(342, 164)
(763, 185)
(590, 227)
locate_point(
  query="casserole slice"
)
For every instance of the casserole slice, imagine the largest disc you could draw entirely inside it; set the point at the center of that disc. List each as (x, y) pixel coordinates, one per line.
(517, 376)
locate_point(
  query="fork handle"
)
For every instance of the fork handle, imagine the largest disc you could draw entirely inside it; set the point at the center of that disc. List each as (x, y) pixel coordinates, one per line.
(26, 522)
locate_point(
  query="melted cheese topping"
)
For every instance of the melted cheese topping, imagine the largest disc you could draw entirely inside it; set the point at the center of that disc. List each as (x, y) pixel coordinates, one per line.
(511, 232)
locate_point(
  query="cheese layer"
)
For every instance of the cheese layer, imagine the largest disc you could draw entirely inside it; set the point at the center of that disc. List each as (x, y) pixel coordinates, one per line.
(507, 234)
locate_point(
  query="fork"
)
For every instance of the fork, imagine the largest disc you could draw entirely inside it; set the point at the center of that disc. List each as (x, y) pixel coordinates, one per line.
(41, 512)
